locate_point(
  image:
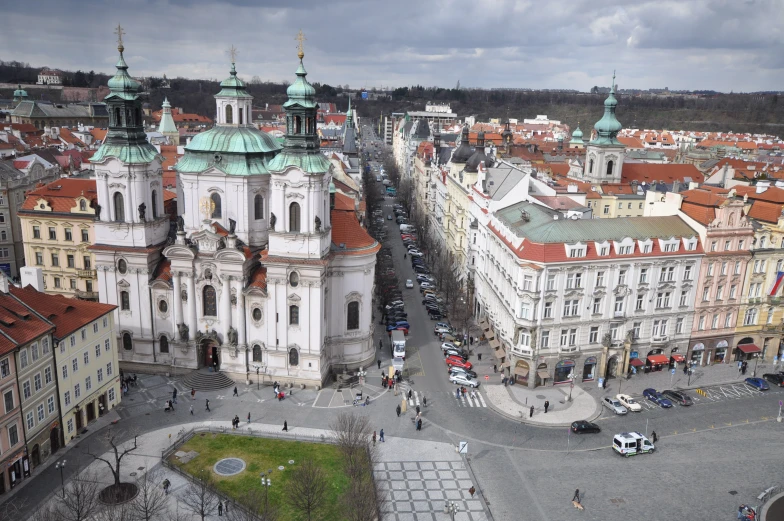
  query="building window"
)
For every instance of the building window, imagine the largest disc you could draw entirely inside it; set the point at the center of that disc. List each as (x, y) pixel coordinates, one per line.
(216, 209)
(750, 318)
(72, 283)
(119, 207)
(154, 204)
(8, 398)
(50, 404)
(593, 336)
(609, 168)
(67, 398)
(109, 369)
(294, 279)
(37, 382)
(352, 318)
(597, 305)
(550, 282)
(71, 422)
(679, 326)
(82, 205)
(26, 392)
(256, 314)
(30, 420)
(258, 207)
(600, 279)
(163, 306)
(294, 315)
(23, 358)
(127, 342)
(720, 293)
(111, 395)
(5, 368)
(548, 310)
(52, 233)
(574, 280)
(684, 298)
(68, 235)
(571, 308)
(48, 375)
(229, 114)
(65, 371)
(590, 166)
(36, 232)
(70, 261)
(643, 275)
(619, 305)
(13, 435)
(294, 217)
(622, 277)
(209, 302)
(256, 353)
(85, 236)
(164, 344)
(107, 345)
(88, 383)
(125, 301)
(293, 357)
(728, 320)
(55, 259)
(77, 391)
(544, 339)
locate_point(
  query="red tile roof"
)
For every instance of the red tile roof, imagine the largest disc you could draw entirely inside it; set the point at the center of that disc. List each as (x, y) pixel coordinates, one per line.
(347, 231)
(631, 142)
(337, 119)
(18, 324)
(61, 194)
(666, 173)
(765, 211)
(163, 271)
(344, 202)
(99, 134)
(772, 194)
(259, 278)
(66, 314)
(701, 214)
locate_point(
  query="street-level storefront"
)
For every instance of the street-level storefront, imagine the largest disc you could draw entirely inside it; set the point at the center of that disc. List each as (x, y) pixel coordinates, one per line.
(656, 361)
(676, 357)
(636, 364)
(747, 350)
(720, 352)
(15, 469)
(589, 369)
(697, 353)
(612, 366)
(542, 374)
(562, 371)
(521, 372)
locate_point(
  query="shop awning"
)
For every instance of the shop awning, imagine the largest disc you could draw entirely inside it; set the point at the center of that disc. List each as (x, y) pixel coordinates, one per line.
(678, 358)
(521, 371)
(495, 343)
(544, 375)
(484, 325)
(749, 348)
(636, 362)
(505, 364)
(658, 359)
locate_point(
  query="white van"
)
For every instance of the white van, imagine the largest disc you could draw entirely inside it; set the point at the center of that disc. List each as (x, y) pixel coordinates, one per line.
(406, 228)
(632, 443)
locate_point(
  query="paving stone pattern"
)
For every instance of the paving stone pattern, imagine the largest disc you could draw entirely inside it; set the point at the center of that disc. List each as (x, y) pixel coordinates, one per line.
(418, 490)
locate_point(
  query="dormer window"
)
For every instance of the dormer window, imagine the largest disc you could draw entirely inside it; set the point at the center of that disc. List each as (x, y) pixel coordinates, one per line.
(602, 248)
(576, 251)
(690, 244)
(669, 246)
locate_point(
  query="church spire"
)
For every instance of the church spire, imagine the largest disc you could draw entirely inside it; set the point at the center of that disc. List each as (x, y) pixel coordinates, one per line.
(608, 127)
(349, 114)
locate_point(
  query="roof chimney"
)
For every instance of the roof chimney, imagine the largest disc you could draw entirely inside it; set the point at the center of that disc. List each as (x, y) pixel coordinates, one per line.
(33, 277)
(4, 283)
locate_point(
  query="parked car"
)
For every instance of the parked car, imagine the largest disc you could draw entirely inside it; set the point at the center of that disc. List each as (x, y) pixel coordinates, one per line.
(448, 345)
(461, 370)
(461, 379)
(678, 397)
(629, 402)
(614, 405)
(416, 253)
(435, 315)
(424, 286)
(776, 379)
(458, 362)
(443, 324)
(758, 383)
(409, 283)
(455, 352)
(657, 398)
(585, 427)
(389, 217)
(441, 328)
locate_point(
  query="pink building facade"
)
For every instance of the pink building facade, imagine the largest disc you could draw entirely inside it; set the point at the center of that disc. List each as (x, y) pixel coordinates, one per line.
(13, 457)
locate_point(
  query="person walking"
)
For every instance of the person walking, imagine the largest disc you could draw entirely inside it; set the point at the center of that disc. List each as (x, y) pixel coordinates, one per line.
(424, 401)
(285, 426)
(174, 395)
(208, 405)
(419, 424)
(410, 394)
(193, 394)
(235, 391)
(479, 356)
(546, 405)
(379, 361)
(531, 412)
(191, 409)
(472, 491)
(457, 393)
(248, 417)
(166, 485)
(654, 437)
(381, 435)
(495, 368)
(380, 345)
(398, 410)
(374, 438)
(220, 508)
(576, 496)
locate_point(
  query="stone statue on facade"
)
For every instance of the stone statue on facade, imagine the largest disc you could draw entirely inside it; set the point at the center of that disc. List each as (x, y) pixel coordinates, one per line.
(180, 224)
(183, 329)
(232, 336)
(97, 208)
(607, 340)
(318, 224)
(272, 221)
(142, 211)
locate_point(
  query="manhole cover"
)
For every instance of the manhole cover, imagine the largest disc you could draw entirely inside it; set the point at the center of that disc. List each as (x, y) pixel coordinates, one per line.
(229, 466)
(733, 492)
(541, 396)
(281, 467)
(133, 474)
(291, 462)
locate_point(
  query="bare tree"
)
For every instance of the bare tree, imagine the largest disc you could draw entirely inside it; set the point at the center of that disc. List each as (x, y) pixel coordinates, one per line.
(253, 507)
(119, 452)
(116, 512)
(352, 436)
(307, 489)
(13, 508)
(80, 500)
(151, 502)
(47, 512)
(199, 497)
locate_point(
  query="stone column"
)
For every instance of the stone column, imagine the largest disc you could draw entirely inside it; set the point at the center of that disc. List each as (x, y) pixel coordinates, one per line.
(193, 325)
(177, 297)
(241, 337)
(225, 305)
(106, 213)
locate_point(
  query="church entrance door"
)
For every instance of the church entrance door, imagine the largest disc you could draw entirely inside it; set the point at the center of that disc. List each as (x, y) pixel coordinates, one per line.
(211, 355)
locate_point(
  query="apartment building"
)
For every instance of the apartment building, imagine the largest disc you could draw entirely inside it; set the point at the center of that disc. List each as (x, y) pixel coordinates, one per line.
(585, 299)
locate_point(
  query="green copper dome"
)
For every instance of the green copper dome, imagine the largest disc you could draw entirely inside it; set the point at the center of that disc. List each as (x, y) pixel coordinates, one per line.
(232, 86)
(608, 127)
(301, 92)
(236, 151)
(121, 84)
(20, 92)
(577, 134)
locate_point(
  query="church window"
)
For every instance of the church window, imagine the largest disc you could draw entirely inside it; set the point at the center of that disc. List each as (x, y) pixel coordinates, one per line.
(256, 353)
(119, 207)
(127, 341)
(294, 279)
(293, 357)
(297, 124)
(256, 314)
(352, 318)
(122, 266)
(590, 166)
(125, 301)
(154, 204)
(229, 114)
(216, 210)
(294, 315)
(209, 302)
(164, 344)
(163, 306)
(294, 217)
(609, 168)
(258, 207)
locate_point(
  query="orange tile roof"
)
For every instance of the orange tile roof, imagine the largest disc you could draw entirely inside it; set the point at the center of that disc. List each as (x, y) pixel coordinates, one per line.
(67, 136)
(631, 142)
(168, 195)
(18, 324)
(772, 194)
(765, 211)
(344, 202)
(259, 278)
(181, 117)
(701, 214)
(346, 230)
(714, 197)
(163, 271)
(666, 173)
(99, 134)
(61, 194)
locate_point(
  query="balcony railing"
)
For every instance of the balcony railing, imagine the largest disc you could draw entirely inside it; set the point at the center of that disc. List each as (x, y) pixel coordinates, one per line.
(86, 295)
(86, 274)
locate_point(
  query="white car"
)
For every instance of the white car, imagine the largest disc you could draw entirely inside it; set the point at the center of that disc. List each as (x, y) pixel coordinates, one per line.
(461, 379)
(441, 329)
(629, 402)
(614, 405)
(448, 345)
(416, 253)
(409, 283)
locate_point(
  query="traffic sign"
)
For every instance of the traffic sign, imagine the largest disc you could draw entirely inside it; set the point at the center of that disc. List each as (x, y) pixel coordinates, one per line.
(462, 447)
(673, 371)
(487, 377)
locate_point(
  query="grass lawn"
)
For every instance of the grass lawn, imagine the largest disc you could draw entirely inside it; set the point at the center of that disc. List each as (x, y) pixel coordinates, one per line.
(260, 455)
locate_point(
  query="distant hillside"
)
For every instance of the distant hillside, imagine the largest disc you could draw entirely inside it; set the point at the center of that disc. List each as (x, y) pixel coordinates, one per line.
(755, 113)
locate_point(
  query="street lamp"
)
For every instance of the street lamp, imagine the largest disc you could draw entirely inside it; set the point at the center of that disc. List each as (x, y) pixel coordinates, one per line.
(451, 508)
(61, 465)
(265, 483)
(361, 373)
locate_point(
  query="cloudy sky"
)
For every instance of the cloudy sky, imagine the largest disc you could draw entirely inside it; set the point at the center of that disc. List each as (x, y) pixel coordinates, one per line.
(685, 44)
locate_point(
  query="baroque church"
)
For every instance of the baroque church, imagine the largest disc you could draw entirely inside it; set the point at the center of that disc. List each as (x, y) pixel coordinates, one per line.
(260, 272)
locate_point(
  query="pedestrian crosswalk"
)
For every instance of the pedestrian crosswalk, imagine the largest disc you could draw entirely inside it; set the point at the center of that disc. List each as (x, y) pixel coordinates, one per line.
(470, 399)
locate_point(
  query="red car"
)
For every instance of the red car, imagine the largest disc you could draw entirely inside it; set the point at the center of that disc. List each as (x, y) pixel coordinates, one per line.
(456, 361)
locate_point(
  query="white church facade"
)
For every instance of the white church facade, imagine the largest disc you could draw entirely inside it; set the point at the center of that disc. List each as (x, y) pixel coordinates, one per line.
(259, 272)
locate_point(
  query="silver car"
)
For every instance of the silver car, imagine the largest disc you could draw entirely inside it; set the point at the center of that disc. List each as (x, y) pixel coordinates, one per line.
(614, 405)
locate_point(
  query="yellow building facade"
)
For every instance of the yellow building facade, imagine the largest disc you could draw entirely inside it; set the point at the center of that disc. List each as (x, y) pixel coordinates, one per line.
(57, 230)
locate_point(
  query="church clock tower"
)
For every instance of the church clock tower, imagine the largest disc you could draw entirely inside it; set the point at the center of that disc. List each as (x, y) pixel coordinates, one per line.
(604, 154)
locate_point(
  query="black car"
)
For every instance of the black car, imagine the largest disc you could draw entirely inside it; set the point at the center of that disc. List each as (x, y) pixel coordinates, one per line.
(775, 379)
(585, 427)
(678, 397)
(435, 315)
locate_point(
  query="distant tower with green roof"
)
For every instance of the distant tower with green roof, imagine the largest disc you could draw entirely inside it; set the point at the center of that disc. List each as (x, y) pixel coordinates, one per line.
(167, 126)
(20, 95)
(604, 154)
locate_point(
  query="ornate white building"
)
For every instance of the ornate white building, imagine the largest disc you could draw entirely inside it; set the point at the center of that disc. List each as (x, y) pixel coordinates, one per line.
(260, 272)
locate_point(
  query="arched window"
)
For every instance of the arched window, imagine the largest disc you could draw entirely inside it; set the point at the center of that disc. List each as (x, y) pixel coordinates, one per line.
(82, 205)
(119, 207)
(297, 124)
(216, 211)
(239, 113)
(590, 166)
(256, 353)
(117, 118)
(164, 343)
(229, 114)
(294, 315)
(293, 357)
(209, 302)
(352, 316)
(125, 301)
(127, 341)
(609, 168)
(294, 217)
(258, 207)
(154, 204)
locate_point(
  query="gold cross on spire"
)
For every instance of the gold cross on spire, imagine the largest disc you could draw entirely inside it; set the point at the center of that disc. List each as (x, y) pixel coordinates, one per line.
(119, 31)
(300, 38)
(233, 52)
